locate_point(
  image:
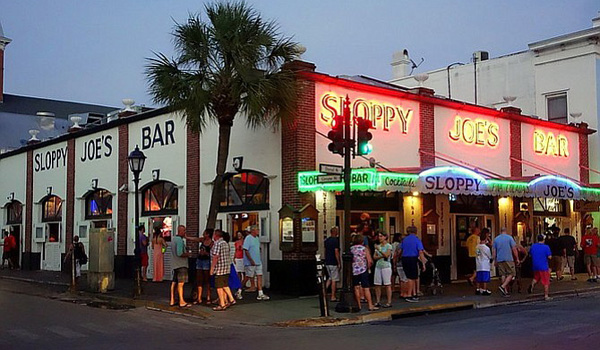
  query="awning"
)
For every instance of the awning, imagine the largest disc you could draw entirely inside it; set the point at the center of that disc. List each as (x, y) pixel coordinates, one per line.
(452, 180)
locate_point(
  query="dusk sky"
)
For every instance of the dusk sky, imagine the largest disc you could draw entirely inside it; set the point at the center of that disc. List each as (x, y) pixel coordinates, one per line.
(94, 51)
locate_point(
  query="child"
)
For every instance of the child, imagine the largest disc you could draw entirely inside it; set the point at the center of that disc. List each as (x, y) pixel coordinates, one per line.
(483, 262)
(540, 253)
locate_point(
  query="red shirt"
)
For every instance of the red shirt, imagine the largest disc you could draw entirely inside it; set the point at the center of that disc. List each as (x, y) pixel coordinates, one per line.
(239, 250)
(9, 243)
(589, 243)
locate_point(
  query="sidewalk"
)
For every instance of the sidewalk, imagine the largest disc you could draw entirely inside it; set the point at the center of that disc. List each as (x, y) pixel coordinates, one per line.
(288, 311)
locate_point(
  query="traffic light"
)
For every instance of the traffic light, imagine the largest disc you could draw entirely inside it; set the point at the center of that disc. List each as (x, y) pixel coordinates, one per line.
(363, 137)
(336, 135)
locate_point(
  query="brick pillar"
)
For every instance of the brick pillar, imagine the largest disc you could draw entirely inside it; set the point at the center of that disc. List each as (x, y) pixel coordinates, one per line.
(70, 219)
(298, 144)
(122, 197)
(427, 134)
(1, 73)
(516, 167)
(29, 202)
(192, 185)
(584, 159)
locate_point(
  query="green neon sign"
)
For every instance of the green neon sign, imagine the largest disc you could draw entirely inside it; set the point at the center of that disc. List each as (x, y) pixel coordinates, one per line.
(360, 180)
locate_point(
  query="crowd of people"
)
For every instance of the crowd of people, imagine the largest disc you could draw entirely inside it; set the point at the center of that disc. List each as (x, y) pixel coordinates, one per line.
(222, 266)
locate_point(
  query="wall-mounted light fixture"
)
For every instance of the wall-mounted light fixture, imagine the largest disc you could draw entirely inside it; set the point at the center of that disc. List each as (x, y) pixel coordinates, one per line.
(49, 190)
(94, 184)
(11, 197)
(155, 174)
(238, 163)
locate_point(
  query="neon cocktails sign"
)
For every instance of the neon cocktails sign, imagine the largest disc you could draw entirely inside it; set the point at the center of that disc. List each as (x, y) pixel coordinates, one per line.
(382, 115)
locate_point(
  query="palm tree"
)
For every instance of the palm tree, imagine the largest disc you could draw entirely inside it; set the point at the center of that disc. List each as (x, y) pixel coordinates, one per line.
(234, 63)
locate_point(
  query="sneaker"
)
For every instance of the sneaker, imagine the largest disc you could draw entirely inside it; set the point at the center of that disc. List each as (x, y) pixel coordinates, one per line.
(239, 295)
(412, 299)
(503, 291)
(477, 292)
(486, 292)
(530, 289)
(263, 297)
(590, 280)
(547, 298)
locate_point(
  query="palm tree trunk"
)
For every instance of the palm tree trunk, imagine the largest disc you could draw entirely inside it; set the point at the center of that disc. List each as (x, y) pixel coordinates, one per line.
(217, 190)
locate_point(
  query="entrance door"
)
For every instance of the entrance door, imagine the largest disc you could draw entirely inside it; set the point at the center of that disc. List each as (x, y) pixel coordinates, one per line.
(167, 225)
(51, 259)
(15, 230)
(464, 226)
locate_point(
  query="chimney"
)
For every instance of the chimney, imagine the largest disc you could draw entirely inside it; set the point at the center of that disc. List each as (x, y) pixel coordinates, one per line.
(400, 64)
(3, 42)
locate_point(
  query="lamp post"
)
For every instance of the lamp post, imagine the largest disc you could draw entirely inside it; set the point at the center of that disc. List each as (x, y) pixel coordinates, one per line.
(136, 164)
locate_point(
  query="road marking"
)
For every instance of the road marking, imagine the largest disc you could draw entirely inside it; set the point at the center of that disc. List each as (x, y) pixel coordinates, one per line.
(23, 334)
(65, 332)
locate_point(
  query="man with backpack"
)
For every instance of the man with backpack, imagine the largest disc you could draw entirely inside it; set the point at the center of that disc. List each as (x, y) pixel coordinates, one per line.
(77, 251)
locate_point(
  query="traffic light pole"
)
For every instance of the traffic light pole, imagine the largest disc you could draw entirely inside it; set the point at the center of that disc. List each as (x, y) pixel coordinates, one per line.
(346, 303)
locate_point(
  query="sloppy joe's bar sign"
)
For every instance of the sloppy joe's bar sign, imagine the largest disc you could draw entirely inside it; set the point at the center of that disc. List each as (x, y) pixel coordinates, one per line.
(478, 132)
(51, 159)
(455, 180)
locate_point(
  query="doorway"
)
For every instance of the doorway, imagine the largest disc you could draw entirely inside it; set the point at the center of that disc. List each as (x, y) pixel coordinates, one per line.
(15, 230)
(165, 224)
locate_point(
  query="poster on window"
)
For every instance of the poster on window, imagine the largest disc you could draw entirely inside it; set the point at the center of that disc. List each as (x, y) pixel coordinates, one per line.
(287, 230)
(308, 230)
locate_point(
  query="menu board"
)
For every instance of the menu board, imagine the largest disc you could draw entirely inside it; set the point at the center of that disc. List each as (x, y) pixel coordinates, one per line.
(308, 230)
(287, 230)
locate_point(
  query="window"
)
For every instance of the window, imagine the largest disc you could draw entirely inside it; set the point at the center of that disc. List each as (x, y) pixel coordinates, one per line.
(557, 108)
(14, 213)
(98, 205)
(549, 206)
(159, 197)
(247, 190)
(51, 209)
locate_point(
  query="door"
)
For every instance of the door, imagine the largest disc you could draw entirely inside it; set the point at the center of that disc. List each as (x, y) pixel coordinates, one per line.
(167, 225)
(463, 228)
(15, 230)
(51, 258)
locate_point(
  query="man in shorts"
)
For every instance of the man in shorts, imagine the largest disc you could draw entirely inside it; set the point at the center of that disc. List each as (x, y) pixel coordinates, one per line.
(332, 261)
(411, 250)
(253, 263)
(504, 253)
(569, 250)
(221, 268)
(589, 244)
(540, 254)
(179, 263)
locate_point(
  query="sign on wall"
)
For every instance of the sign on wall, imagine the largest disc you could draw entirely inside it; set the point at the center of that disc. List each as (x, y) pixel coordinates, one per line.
(477, 132)
(50, 159)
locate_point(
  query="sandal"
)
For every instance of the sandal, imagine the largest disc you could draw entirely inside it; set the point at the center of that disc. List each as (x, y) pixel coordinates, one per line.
(172, 304)
(219, 308)
(231, 303)
(185, 306)
(374, 308)
(386, 305)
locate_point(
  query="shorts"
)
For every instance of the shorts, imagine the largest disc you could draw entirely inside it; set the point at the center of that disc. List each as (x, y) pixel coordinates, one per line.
(383, 276)
(590, 259)
(333, 271)
(239, 265)
(203, 264)
(506, 268)
(401, 274)
(222, 281)
(483, 276)
(410, 264)
(361, 280)
(542, 276)
(77, 268)
(557, 263)
(180, 275)
(144, 258)
(570, 261)
(252, 271)
(472, 264)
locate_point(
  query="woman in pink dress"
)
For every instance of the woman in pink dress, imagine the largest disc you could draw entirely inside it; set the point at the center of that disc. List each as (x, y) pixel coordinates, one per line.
(158, 245)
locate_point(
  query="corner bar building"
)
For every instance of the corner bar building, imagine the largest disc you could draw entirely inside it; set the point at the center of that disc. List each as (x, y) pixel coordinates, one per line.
(444, 166)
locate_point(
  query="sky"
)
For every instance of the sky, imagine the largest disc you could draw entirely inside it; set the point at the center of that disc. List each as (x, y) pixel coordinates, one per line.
(96, 51)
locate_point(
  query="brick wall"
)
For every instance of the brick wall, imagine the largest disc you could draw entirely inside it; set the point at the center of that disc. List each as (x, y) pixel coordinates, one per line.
(584, 159)
(192, 185)
(29, 202)
(70, 218)
(427, 134)
(123, 179)
(516, 167)
(298, 152)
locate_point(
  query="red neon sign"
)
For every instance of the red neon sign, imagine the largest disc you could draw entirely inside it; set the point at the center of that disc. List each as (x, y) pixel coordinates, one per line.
(479, 132)
(546, 143)
(382, 115)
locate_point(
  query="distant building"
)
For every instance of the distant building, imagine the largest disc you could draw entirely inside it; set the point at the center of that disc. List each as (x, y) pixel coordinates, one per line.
(557, 79)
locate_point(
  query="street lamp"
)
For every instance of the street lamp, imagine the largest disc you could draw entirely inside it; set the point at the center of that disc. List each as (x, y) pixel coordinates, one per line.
(136, 164)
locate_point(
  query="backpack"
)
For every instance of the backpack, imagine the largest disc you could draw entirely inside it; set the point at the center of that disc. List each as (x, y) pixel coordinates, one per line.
(80, 254)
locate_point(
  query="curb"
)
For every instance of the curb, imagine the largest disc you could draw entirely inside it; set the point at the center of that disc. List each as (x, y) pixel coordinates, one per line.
(31, 280)
(540, 297)
(376, 316)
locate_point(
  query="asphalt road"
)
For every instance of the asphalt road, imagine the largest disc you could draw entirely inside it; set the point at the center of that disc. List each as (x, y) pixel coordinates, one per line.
(34, 322)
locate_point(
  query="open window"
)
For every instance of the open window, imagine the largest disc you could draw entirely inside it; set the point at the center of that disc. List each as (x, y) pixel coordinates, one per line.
(245, 191)
(159, 198)
(98, 205)
(52, 216)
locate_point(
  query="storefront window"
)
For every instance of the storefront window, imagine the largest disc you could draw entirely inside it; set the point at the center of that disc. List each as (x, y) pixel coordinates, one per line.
(549, 207)
(14, 213)
(159, 197)
(51, 209)
(98, 205)
(248, 190)
(472, 204)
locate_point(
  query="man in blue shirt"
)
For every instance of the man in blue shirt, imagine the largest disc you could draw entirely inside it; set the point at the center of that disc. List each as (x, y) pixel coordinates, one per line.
(411, 250)
(540, 253)
(332, 261)
(253, 263)
(504, 254)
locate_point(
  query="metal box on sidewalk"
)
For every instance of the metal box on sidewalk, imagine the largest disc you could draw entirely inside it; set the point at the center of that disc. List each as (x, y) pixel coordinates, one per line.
(101, 259)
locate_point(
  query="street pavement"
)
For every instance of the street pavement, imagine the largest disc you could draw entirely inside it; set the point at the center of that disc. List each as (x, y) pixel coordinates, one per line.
(36, 322)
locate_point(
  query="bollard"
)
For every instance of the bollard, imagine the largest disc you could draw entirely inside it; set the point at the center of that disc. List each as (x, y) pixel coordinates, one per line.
(323, 305)
(347, 301)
